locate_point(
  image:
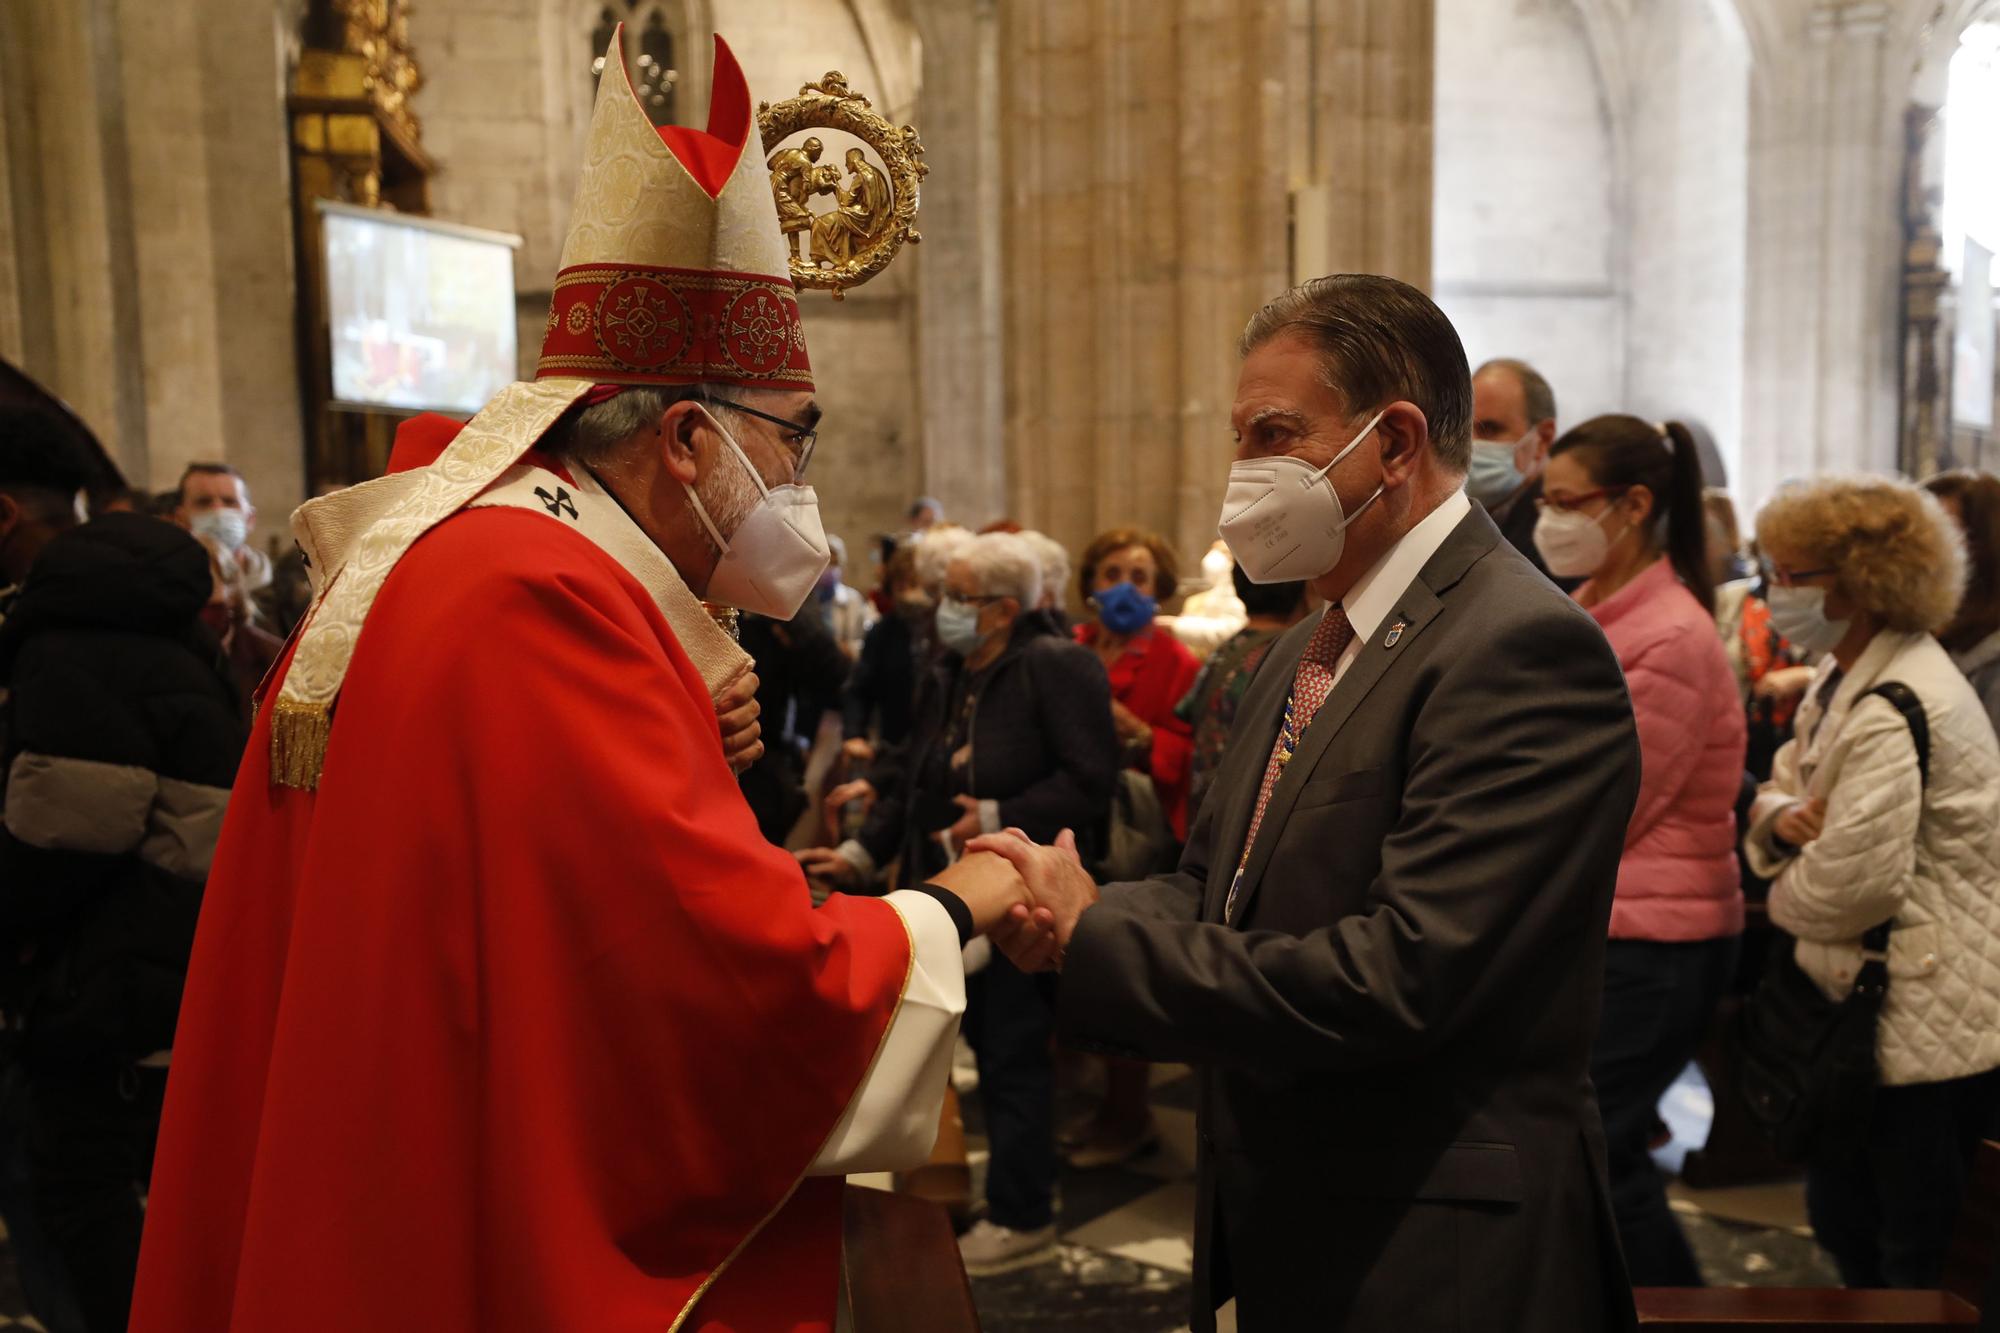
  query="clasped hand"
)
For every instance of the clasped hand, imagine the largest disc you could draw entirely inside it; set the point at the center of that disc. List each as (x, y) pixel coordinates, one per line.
(1035, 932)
(1026, 898)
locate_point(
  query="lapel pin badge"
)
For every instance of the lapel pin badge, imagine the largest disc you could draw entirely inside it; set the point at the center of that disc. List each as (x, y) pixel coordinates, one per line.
(1395, 633)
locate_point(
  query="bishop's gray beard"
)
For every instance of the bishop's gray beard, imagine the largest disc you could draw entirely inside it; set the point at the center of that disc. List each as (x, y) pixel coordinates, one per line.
(728, 494)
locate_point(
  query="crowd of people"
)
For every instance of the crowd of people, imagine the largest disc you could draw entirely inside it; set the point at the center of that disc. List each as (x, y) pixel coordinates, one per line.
(1775, 791)
(994, 680)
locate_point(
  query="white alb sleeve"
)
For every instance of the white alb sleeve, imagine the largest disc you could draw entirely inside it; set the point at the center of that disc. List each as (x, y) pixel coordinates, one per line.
(892, 1122)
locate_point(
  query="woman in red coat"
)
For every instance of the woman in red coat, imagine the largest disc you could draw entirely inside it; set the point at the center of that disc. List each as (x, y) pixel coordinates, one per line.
(1127, 573)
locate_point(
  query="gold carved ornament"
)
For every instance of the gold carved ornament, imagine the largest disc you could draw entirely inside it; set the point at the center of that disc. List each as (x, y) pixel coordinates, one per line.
(872, 215)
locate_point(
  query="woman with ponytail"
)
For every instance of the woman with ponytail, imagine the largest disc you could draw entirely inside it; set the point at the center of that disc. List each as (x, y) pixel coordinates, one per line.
(1621, 507)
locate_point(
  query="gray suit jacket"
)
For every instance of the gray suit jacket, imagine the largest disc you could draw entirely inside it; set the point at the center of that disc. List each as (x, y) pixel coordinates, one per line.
(1393, 1034)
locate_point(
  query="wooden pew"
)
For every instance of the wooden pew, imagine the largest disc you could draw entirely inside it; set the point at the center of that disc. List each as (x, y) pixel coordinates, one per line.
(1969, 1282)
(902, 1269)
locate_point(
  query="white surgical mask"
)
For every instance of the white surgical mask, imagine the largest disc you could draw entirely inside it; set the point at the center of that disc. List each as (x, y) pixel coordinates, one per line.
(1799, 614)
(1493, 475)
(227, 528)
(1282, 518)
(958, 626)
(1573, 544)
(772, 561)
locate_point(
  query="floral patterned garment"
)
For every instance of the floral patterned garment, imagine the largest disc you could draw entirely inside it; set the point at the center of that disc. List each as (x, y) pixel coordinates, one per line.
(1210, 704)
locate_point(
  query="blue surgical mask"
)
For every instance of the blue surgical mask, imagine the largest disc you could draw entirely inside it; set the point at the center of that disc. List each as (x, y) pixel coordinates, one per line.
(1123, 609)
(1492, 476)
(958, 626)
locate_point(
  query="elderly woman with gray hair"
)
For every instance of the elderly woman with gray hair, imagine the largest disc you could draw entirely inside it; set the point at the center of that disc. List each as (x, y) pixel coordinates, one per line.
(1884, 810)
(1012, 729)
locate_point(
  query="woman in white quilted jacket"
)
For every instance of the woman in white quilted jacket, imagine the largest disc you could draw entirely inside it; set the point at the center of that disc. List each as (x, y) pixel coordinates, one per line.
(1862, 573)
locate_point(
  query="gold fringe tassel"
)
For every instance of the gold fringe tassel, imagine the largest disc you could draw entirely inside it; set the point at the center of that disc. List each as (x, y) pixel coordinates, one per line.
(299, 733)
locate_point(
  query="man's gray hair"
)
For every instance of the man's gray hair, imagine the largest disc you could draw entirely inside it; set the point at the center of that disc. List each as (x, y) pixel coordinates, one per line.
(591, 435)
(1538, 400)
(1054, 558)
(1003, 565)
(1381, 340)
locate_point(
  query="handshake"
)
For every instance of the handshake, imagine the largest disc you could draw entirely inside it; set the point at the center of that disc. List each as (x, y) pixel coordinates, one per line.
(1026, 898)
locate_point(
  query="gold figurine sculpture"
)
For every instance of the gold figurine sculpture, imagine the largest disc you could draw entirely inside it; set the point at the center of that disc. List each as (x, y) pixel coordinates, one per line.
(873, 213)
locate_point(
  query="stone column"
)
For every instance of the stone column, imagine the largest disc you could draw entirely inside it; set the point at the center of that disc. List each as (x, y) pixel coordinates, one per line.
(959, 383)
(149, 236)
(1149, 155)
(1821, 346)
(73, 229)
(1369, 137)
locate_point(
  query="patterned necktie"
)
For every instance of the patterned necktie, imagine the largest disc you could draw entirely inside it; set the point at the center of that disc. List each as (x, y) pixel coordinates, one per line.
(1310, 685)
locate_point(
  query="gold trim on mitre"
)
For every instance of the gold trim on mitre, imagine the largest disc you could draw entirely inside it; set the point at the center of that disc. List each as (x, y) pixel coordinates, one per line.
(506, 428)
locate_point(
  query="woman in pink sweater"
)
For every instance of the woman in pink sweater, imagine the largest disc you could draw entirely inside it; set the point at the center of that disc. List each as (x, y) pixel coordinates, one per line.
(1622, 507)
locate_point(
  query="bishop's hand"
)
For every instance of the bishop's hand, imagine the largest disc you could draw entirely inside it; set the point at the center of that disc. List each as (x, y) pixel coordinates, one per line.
(988, 885)
(736, 712)
(1035, 936)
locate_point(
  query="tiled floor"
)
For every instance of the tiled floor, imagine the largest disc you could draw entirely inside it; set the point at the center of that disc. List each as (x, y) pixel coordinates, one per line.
(1127, 1234)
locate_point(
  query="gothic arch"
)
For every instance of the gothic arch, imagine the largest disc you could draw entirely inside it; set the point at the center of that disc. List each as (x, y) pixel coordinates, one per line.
(687, 28)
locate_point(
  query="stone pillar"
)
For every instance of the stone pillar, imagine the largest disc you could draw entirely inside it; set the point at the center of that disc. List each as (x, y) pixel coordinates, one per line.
(1369, 136)
(59, 74)
(149, 235)
(1821, 348)
(959, 382)
(1149, 156)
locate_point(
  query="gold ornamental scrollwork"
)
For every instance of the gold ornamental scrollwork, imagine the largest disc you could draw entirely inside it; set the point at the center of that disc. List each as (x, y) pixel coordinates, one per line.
(872, 216)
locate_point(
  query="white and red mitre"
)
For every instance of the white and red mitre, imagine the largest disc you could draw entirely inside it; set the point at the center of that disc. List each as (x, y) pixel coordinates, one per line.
(674, 272)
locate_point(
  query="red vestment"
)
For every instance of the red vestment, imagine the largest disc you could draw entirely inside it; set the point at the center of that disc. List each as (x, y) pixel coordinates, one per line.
(515, 1023)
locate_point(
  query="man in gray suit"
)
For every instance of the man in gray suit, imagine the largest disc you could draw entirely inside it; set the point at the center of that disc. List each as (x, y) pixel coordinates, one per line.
(1383, 948)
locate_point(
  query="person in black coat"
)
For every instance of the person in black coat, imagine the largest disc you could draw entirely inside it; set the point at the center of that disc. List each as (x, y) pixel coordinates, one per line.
(1012, 729)
(123, 736)
(883, 687)
(800, 672)
(1513, 425)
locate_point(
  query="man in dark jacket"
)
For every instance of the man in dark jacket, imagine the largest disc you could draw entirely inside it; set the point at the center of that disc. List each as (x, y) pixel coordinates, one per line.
(1513, 425)
(1383, 949)
(123, 736)
(1012, 730)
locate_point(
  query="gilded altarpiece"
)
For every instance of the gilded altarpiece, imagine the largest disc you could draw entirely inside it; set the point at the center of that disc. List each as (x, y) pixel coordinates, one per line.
(355, 140)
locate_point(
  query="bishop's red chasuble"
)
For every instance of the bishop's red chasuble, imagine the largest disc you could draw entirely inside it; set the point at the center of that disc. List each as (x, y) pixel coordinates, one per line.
(501, 1016)
(514, 1023)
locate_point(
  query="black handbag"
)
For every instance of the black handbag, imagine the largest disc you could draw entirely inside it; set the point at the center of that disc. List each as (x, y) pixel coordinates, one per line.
(1806, 1064)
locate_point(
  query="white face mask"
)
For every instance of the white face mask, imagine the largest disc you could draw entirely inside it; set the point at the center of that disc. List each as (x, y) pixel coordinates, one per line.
(772, 561)
(1799, 614)
(227, 528)
(1282, 518)
(1573, 544)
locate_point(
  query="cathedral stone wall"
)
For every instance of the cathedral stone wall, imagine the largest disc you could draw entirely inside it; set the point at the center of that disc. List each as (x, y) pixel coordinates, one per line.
(1529, 248)
(1687, 232)
(149, 236)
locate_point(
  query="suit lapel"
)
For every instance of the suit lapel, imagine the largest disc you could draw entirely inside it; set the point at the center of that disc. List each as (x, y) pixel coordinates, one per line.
(1251, 738)
(1419, 605)
(1416, 610)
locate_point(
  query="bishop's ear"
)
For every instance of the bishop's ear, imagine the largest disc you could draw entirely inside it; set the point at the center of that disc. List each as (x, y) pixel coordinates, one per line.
(678, 439)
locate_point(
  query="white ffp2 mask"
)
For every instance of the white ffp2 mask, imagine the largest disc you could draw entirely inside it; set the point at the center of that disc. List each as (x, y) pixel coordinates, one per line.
(772, 561)
(1573, 544)
(1282, 518)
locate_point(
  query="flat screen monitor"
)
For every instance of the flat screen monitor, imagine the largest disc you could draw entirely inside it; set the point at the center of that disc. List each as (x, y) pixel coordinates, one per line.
(420, 313)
